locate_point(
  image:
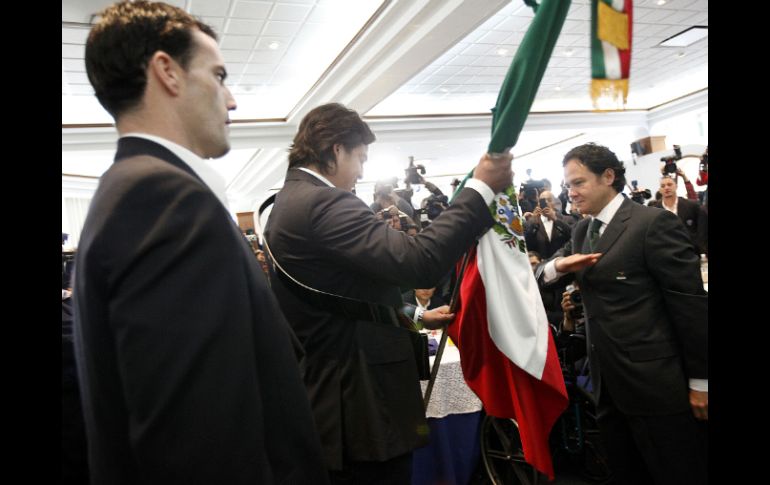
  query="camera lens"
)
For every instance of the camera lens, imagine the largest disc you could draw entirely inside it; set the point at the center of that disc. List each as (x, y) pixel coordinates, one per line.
(576, 297)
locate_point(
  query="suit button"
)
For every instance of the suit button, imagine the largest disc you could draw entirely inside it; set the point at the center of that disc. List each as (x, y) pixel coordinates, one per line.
(593, 347)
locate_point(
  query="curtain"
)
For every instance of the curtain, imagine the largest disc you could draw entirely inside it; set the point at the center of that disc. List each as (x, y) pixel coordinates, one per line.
(73, 216)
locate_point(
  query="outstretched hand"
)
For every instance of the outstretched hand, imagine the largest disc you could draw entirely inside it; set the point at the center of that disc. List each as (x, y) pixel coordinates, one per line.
(576, 262)
(437, 318)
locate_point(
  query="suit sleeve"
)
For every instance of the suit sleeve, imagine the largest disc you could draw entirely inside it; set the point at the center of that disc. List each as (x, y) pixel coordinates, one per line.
(349, 233)
(674, 264)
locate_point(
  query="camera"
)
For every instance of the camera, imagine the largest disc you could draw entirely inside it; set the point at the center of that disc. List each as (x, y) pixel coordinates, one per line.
(412, 177)
(532, 185)
(671, 161)
(639, 195)
(577, 299)
(386, 214)
(542, 203)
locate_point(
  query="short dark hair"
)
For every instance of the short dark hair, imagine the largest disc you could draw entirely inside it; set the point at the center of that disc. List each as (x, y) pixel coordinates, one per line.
(121, 44)
(597, 159)
(321, 129)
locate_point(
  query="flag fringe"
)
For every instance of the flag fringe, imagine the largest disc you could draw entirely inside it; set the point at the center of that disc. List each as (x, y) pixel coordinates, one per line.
(609, 94)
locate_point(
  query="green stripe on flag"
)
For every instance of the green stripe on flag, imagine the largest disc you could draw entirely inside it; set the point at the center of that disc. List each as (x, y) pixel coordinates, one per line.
(520, 86)
(597, 54)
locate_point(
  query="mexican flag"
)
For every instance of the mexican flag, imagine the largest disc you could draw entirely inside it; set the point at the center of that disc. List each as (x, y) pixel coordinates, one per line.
(506, 348)
(611, 34)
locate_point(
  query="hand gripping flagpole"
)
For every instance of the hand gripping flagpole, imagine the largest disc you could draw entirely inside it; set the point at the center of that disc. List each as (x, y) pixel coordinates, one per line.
(452, 308)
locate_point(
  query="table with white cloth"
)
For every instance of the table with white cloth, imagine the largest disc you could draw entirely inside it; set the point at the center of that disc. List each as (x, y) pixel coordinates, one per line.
(454, 417)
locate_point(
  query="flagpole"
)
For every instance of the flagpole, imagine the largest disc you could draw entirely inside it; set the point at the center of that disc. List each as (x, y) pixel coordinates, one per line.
(453, 302)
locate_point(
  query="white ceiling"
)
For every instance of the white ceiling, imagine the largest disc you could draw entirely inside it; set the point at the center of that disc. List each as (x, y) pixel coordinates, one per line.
(399, 63)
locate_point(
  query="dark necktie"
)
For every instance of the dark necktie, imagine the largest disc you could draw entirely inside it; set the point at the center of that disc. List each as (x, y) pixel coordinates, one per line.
(593, 234)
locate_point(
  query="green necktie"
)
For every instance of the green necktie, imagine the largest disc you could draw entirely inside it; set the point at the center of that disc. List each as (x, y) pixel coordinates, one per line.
(593, 234)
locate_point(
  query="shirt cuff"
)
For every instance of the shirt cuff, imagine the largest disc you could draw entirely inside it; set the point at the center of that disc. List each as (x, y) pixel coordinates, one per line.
(701, 385)
(550, 273)
(483, 189)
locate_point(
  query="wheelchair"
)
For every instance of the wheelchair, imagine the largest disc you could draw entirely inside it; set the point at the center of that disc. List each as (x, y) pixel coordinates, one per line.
(574, 441)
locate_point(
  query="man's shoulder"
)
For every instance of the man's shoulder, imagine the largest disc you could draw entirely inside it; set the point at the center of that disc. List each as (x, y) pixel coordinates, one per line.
(690, 204)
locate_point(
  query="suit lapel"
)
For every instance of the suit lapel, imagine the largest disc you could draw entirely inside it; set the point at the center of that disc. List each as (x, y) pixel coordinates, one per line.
(612, 232)
(615, 228)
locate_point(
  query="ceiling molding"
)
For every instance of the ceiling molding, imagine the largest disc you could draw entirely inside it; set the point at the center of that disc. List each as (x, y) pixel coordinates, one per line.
(685, 104)
(402, 41)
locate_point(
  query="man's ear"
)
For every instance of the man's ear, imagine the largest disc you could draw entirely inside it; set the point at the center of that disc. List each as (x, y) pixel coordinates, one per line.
(166, 71)
(608, 176)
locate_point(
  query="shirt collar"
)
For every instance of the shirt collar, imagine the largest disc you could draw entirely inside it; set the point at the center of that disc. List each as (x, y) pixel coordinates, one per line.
(317, 175)
(671, 208)
(420, 304)
(210, 177)
(606, 214)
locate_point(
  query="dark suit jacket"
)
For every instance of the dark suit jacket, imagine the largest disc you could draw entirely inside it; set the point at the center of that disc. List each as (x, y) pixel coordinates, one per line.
(187, 366)
(537, 239)
(435, 301)
(647, 312)
(694, 219)
(361, 376)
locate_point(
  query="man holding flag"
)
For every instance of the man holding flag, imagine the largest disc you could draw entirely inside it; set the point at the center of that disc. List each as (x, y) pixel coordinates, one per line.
(338, 275)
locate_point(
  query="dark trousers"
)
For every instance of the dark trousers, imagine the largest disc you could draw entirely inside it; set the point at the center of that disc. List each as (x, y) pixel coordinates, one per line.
(396, 471)
(659, 450)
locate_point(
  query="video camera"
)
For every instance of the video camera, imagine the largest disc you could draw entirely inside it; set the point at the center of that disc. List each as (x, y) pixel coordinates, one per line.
(412, 177)
(670, 162)
(434, 204)
(639, 195)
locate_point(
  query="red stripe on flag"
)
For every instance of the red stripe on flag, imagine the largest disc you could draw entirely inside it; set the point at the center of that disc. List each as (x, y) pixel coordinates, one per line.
(505, 390)
(625, 55)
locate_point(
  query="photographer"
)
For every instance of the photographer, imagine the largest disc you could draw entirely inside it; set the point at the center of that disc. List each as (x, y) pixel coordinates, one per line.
(546, 232)
(692, 215)
(572, 306)
(385, 196)
(528, 196)
(338, 275)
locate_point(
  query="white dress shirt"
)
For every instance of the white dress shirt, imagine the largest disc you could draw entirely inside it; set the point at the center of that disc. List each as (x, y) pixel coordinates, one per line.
(211, 178)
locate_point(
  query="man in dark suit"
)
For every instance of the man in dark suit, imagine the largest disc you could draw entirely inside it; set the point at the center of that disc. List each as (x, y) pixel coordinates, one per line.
(546, 232)
(690, 212)
(646, 324)
(359, 366)
(188, 369)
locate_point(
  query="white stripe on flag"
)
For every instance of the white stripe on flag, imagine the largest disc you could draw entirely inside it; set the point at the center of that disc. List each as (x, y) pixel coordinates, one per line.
(611, 61)
(515, 314)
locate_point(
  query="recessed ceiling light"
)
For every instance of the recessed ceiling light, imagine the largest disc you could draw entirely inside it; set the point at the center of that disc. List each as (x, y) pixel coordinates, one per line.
(686, 37)
(273, 45)
(680, 54)
(443, 90)
(569, 52)
(661, 2)
(558, 88)
(502, 51)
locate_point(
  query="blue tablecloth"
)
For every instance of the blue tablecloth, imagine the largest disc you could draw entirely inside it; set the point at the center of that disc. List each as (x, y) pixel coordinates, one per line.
(453, 453)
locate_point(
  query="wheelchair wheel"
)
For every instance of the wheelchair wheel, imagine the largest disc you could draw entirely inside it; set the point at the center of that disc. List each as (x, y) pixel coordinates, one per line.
(502, 453)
